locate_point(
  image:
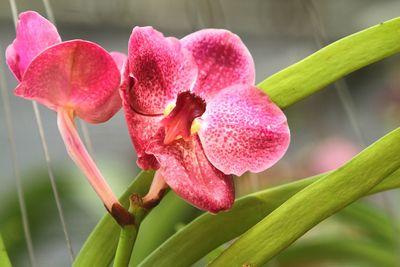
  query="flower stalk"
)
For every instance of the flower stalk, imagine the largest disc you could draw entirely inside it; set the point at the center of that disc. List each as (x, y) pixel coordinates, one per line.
(129, 232)
(81, 157)
(157, 191)
(138, 209)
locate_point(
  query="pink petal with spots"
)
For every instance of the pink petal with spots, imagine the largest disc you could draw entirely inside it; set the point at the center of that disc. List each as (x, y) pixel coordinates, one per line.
(34, 34)
(187, 171)
(222, 58)
(119, 58)
(141, 127)
(161, 69)
(76, 74)
(242, 130)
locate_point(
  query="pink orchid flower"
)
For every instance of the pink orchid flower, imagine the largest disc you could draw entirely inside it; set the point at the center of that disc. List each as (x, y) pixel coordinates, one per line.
(194, 114)
(340, 150)
(73, 78)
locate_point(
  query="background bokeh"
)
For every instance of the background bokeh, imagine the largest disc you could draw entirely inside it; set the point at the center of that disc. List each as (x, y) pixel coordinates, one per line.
(327, 128)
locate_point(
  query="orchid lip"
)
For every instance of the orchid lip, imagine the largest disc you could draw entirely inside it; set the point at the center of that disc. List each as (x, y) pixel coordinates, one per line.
(179, 120)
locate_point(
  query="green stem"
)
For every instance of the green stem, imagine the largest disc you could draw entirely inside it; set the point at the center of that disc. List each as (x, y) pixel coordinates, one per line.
(4, 260)
(125, 245)
(129, 232)
(99, 248)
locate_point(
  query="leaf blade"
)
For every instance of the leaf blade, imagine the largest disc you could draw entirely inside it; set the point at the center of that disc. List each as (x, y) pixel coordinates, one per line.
(332, 63)
(338, 249)
(247, 211)
(4, 259)
(333, 192)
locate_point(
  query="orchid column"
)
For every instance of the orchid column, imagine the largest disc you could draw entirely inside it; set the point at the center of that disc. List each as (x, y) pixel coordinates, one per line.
(76, 79)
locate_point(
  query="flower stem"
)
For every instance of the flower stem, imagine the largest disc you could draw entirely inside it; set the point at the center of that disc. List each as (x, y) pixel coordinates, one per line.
(157, 190)
(129, 232)
(139, 208)
(79, 154)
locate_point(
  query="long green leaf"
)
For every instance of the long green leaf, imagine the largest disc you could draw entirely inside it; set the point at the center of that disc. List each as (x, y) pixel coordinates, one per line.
(376, 246)
(210, 231)
(4, 260)
(99, 248)
(332, 63)
(314, 203)
(337, 250)
(372, 222)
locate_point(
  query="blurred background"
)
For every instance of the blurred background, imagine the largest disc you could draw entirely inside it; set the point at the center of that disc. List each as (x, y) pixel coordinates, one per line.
(327, 128)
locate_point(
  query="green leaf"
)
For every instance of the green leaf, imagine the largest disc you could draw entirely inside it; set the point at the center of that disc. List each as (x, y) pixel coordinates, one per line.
(99, 248)
(337, 250)
(208, 231)
(4, 260)
(371, 222)
(332, 63)
(314, 203)
(371, 243)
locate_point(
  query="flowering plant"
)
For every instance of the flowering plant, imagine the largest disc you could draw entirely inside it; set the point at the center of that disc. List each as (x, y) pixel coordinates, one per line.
(196, 119)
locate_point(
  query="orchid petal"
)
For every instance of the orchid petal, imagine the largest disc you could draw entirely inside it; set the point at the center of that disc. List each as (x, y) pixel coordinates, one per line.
(187, 171)
(34, 34)
(76, 74)
(161, 69)
(242, 130)
(119, 58)
(222, 58)
(12, 59)
(142, 129)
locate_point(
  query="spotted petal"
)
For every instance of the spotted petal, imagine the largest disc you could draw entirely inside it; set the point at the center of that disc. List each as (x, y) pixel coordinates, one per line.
(34, 34)
(142, 129)
(242, 130)
(161, 69)
(222, 58)
(187, 171)
(77, 74)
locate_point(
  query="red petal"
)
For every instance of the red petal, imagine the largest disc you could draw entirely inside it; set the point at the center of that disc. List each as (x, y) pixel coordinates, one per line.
(187, 171)
(34, 34)
(77, 74)
(161, 68)
(142, 129)
(242, 130)
(222, 58)
(119, 59)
